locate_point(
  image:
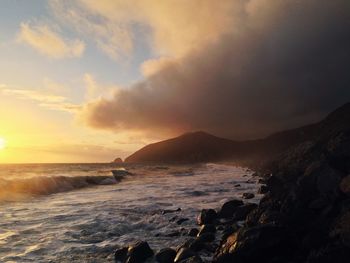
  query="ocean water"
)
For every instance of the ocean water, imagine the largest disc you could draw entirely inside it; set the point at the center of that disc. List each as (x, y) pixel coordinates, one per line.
(80, 213)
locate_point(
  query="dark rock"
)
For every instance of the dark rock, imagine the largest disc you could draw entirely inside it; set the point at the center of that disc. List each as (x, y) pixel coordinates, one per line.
(206, 216)
(121, 254)
(256, 244)
(207, 229)
(248, 195)
(118, 160)
(341, 229)
(139, 252)
(167, 211)
(206, 237)
(166, 255)
(193, 232)
(345, 185)
(194, 259)
(188, 244)
(329, 254)
(237, 185)
(229, 230)
(184, 253)
(220, 227)
(271, 217)
(263, 189)
(241, 212)
(228, 208)
(181, 220)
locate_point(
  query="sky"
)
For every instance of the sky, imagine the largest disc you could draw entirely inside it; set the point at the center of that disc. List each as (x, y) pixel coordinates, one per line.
(89, 81)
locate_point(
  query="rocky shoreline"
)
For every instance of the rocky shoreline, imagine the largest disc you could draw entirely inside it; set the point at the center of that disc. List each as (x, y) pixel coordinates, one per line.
(304, 215)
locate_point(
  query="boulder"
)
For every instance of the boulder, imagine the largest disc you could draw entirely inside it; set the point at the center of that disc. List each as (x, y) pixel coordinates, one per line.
(184, 253)
(207, 229)
(139, 252)
(181, 220)
(263, 189)
(228, 208)
(206, 216)
(193, 232)
(256, 244)
(241, 212)
(121, 254)
(206, 237)
(167, 211)
(186, 244)
(166, 255)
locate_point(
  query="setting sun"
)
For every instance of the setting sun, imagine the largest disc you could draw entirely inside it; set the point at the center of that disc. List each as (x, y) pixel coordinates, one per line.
(2, 143)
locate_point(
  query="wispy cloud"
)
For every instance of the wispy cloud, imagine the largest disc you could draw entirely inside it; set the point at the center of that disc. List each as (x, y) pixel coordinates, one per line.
(42, 98)
(48, 42)
(113, 38)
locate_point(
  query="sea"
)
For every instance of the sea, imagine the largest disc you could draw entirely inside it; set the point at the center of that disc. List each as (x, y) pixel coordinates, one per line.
(84, 212)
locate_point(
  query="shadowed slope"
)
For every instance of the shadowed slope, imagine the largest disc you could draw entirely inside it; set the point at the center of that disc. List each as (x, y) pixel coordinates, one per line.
(203, 147)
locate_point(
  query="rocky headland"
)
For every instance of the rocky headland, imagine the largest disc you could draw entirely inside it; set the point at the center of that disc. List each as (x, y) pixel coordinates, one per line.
(304, 215)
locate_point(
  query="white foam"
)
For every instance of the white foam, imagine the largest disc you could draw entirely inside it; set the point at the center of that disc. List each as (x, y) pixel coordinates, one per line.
(87, 225)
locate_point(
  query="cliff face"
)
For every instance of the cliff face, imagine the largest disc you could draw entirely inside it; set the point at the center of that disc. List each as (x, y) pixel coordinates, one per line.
(203, 147)
(305, 214)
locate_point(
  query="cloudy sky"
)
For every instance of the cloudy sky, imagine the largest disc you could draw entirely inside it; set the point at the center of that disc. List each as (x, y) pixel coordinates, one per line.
(87, 81)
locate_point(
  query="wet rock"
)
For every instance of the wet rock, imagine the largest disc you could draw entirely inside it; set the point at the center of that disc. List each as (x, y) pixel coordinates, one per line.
(241, 212)
(121, 254)
(194, 259)
(168, 211)
(263, 189)
(184, 253)
(193, 232)
(206, 216)
(206, 237)
(248, 195)
(187, 244)
(207, 229)
(256, 244)
(181, 220)
(228, 208)
(139, 252)
(166, 255)
(229, 230)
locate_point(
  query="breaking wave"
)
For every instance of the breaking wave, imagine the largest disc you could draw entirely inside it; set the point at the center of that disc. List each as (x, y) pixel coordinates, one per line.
(45, 185)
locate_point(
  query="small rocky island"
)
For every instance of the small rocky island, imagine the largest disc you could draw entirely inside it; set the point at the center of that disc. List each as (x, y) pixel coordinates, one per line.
(117, 160)
(304, 215)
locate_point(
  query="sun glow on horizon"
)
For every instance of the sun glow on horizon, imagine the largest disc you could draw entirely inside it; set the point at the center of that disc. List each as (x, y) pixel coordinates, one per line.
(2, 143)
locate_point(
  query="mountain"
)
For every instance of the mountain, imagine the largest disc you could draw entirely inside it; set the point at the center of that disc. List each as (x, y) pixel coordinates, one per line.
(187, 148)
(204, 147)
